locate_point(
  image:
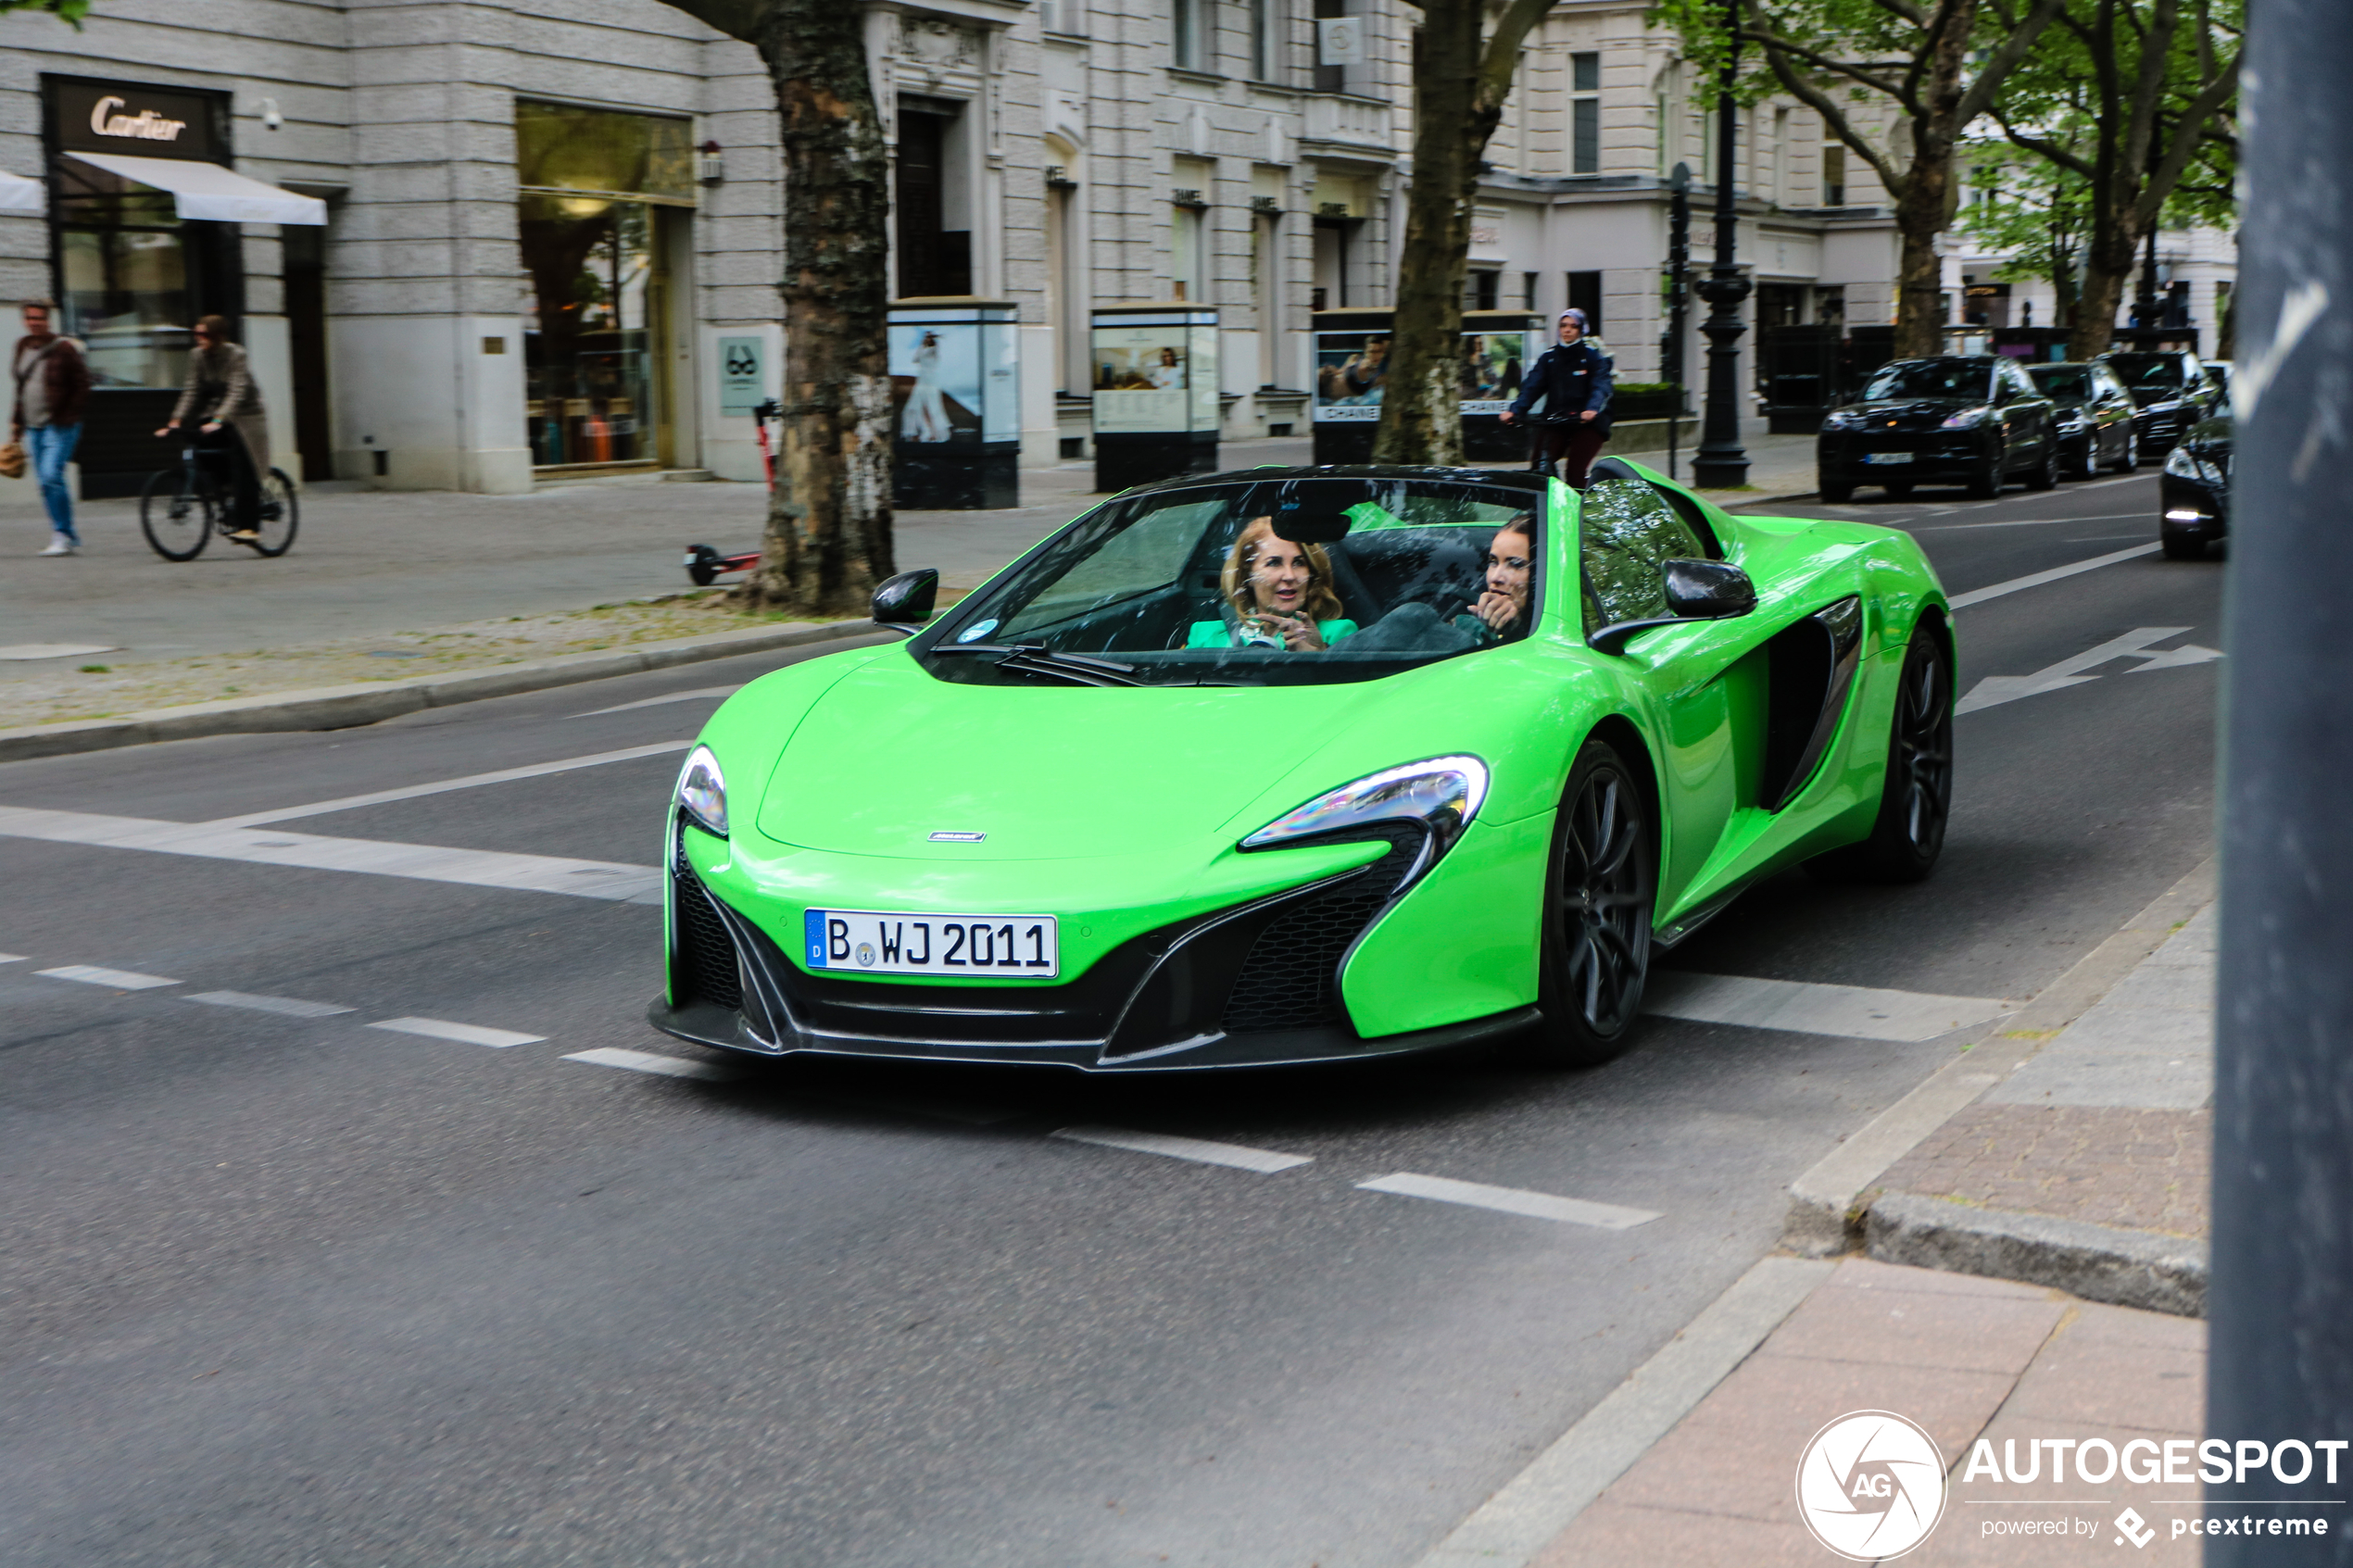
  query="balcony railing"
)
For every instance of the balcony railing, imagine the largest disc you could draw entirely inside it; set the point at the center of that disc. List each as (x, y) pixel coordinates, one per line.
(1363, 123)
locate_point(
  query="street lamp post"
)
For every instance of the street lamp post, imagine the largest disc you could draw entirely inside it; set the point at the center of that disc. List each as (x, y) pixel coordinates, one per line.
(1720, 464)
(1679, 290)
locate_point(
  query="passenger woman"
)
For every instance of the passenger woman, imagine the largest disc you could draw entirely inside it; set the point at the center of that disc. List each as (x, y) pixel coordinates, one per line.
(1278, 595)
(1500, 610)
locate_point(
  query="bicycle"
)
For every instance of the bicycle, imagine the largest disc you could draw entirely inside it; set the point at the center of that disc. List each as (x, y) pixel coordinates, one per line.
(181, 508)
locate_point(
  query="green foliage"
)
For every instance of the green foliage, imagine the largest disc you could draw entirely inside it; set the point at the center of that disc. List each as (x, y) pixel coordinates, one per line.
(2034, 211)
(71, 10)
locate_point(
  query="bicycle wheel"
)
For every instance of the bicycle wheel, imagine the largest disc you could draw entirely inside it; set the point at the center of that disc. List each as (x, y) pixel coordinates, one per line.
(281, 514)
(176, 513)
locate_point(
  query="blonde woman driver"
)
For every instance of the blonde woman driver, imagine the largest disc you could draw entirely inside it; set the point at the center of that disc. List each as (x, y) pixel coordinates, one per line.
(1279, 594)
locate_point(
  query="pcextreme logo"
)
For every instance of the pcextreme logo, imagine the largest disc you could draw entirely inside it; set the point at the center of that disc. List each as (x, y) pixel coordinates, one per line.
(1870, 1485)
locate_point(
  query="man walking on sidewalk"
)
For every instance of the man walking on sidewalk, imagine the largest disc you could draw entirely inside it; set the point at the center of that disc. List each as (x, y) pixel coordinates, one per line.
(1573, 379)
(52, 385)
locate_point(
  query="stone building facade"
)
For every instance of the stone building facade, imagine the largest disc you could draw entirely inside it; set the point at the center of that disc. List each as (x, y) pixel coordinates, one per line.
(552, 232)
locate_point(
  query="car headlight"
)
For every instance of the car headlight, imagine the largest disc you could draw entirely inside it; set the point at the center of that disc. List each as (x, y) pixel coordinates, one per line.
(1968, 418)
(1843, 419)
(2182, 463)
(702, 792)
(1443, 794)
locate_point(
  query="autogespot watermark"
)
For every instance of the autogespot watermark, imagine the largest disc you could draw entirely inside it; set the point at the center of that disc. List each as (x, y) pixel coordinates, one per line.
(1873, 1485)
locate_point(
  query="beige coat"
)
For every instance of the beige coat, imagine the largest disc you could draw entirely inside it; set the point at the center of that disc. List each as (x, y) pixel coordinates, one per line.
(224, 365)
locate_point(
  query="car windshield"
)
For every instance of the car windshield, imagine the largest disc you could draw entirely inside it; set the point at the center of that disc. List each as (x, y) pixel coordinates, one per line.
(1972, 379)
(2147, 372)
(2064, 380)
(1272, 582)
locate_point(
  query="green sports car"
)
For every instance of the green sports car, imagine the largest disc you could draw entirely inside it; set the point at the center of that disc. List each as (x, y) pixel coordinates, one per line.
(1306, 765)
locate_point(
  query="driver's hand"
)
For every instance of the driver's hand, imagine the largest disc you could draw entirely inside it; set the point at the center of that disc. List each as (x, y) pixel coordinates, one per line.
(1300, 636)
(1495, 609)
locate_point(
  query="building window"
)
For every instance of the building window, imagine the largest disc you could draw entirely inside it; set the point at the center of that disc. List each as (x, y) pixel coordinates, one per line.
(1527, 291)
(1482, 289)
(1188, 21)
(1062, 16)
(1670, 134)
(1776, 178)
(1266, 18)
(932, 212)
(1585, 294)
(1833, 175)
(1335, 77)
(1585, 114)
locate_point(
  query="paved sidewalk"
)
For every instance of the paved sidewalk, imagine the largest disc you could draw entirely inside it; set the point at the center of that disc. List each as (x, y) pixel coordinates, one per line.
(1964, 1359)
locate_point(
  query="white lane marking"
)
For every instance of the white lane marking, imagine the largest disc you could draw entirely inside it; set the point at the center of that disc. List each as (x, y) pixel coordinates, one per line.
(646, 1061)
(464, 1034)
(1995, 690)
(2035, 580)
(472, 780)
(698, 693)
(52, 650)
(2033, 521)
(1857, 1013)
(14, 957)
(474, 868)
(293, 1007)
(120, 979)
(1512, 1201)
(1266, 1162)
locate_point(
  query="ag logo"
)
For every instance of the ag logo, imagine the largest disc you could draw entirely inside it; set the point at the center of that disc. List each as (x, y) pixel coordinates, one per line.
(1870, 1485)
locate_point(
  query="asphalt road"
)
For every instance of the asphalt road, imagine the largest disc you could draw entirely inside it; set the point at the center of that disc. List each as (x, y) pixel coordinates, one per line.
(280, 1289)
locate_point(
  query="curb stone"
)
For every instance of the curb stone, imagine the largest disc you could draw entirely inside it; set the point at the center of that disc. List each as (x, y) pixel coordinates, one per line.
(2142, 1269)
(340, 707)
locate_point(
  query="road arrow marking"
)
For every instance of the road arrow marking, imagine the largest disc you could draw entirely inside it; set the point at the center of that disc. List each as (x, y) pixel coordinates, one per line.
(2169, 658)
(1996, 689)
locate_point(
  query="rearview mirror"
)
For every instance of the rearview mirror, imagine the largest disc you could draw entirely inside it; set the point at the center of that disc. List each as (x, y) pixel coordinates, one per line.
(905, 601)
(1708, 590)
(1303, 527)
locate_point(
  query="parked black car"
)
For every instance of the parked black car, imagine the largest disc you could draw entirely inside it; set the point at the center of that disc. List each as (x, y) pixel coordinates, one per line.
(2097, 418)
(1974, 420)
(2171, 387)
(2194, 493)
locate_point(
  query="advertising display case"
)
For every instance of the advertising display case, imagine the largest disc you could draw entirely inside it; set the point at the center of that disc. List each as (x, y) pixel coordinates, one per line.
(1153, 369)
(955, 386)
(1352, 367)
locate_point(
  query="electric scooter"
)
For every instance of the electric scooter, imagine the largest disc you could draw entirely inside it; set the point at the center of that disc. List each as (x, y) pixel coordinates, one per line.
(705, 565)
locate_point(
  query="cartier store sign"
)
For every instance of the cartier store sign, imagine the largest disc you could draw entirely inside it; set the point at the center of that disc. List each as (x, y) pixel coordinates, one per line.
(126, 117)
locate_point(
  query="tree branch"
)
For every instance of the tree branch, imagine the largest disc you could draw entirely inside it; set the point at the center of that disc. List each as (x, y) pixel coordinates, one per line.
(1813, 97)
(1773, 42)
(2004, 60)
(2169, 168)
(1500, 60)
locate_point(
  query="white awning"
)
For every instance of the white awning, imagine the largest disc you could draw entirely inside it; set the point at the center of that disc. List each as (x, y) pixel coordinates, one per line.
(210, 191)
(20, 197)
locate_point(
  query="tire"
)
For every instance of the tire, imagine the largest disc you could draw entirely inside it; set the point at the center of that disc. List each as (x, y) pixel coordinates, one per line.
(1915, 799)
(1986, 483)
(1598, 888)
(2044, 475)
(1898, 489)
(177, 522)
(2131, 457)
(2179, 546)
(276, 534)
(2088, 464)
(1835, 495)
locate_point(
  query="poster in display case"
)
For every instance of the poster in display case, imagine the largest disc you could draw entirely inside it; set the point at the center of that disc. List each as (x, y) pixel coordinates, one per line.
(955, 380)
(1351, 349)
(1155, 392)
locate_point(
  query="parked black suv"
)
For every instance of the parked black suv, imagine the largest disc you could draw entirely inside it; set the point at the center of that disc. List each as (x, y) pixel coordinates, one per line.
(1968, 420)
(2097, 418)
(2171, 387)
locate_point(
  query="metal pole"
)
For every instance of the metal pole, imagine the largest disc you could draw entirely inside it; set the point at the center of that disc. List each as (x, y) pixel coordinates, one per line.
(1720, 464)
(1678, 299)
(2280, 1304)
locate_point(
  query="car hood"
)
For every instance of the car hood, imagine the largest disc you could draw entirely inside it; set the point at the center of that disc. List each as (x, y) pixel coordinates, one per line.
(1910, 413)
(2212, 437)
(890, 756)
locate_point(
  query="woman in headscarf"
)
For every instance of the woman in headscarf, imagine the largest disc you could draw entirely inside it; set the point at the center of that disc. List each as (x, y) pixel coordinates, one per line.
(1572, 378)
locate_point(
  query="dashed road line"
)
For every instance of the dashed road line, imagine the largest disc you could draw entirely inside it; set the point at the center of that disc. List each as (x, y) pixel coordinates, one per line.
(15, 957)
(646, 1061)
(443, 786)
(291, 1007)
(425, 862)
(1512, 1201)
(120, 979)
(1857, 1013)
(1240, 1156)
(464, 1034)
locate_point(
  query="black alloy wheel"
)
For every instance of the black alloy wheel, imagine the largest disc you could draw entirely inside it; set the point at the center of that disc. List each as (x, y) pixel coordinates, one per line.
(1916, 798)
(2044, 475)
(1598, 895)
(177, 513)
(2085, 464)
(1986, 483)
(2131, 460)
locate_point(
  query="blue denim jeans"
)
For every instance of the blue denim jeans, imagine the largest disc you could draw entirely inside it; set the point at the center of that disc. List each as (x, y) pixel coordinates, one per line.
(51, 448)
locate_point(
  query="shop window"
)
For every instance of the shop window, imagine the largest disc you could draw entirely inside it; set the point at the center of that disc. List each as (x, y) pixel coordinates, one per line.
(597, 188)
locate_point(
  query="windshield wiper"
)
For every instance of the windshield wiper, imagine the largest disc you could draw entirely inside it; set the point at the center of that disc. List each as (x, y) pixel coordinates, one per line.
(1036, 658)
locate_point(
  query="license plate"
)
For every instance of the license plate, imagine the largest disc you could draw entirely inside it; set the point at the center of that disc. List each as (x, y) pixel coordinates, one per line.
(889, 942)
(1887, 457)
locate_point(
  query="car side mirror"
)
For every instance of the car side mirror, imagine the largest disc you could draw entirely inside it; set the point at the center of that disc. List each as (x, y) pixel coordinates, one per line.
(903, 603)
(1696, 590)
(1708, 590)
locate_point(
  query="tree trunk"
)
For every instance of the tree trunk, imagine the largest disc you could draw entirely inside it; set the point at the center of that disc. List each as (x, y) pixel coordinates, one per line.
(828, 535)
(1421, 412)
(2105, 278)
(1920, 272)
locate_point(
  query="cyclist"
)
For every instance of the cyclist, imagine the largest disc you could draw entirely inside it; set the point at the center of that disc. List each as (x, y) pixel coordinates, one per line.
(221, 384)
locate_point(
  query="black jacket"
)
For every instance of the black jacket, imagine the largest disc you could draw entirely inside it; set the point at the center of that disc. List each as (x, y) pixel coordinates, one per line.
(1570, 378)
